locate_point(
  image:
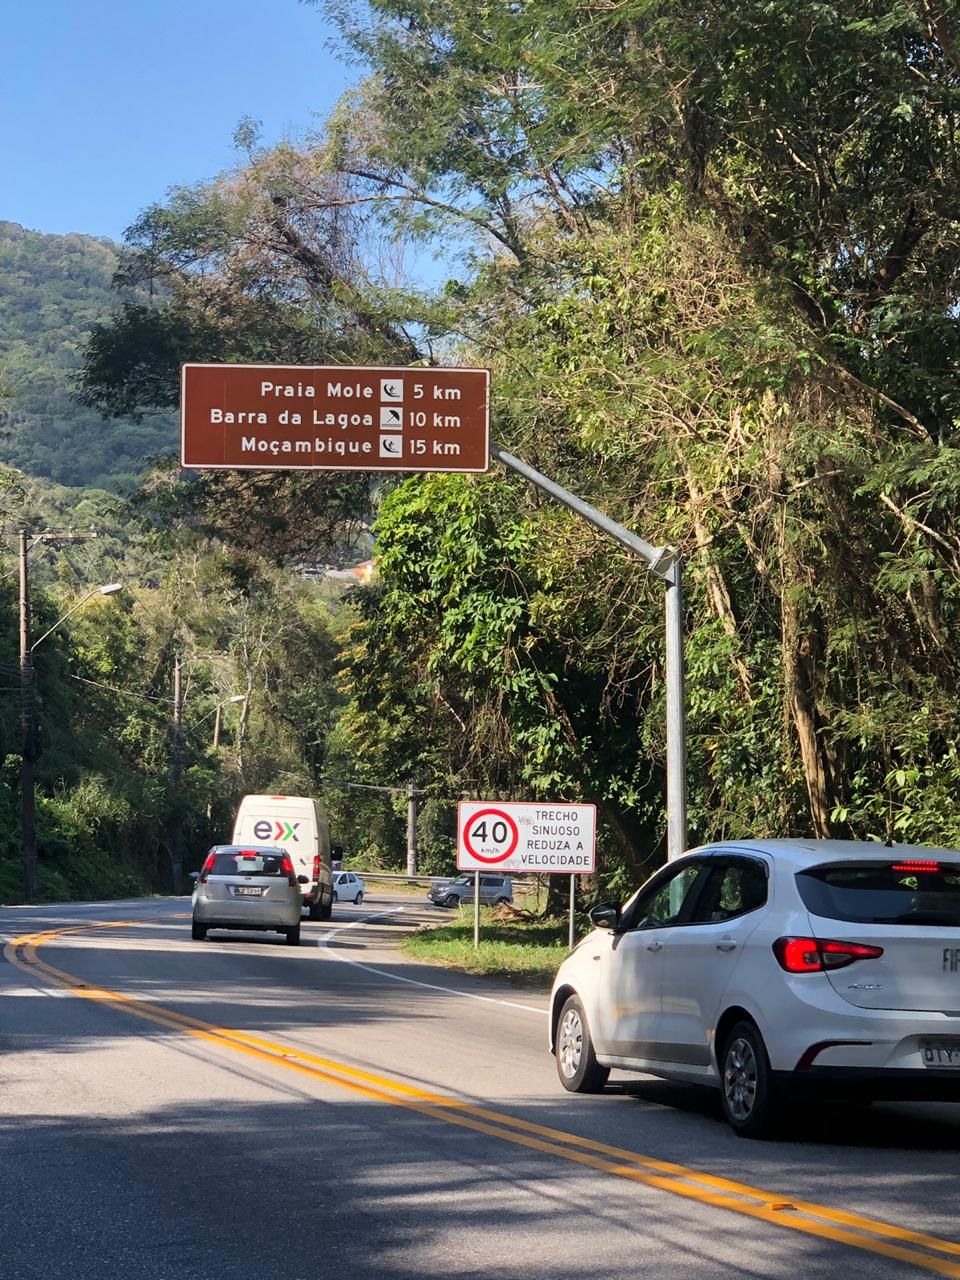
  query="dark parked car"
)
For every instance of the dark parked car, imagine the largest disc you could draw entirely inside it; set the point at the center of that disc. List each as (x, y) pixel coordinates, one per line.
(450, 893)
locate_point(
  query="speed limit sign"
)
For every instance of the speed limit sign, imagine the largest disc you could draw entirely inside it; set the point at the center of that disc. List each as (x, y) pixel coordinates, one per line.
(526, 837)
(490, 836)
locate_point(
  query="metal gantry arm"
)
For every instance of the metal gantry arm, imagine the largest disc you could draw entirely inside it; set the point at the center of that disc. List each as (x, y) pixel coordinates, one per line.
(665, 563)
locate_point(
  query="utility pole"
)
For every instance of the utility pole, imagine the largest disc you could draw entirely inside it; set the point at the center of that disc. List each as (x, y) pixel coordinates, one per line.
(176, 780)
(28, 735)
(29, 743)
(411, 828)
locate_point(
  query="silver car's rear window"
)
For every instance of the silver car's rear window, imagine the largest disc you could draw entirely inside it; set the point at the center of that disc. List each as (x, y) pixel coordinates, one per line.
(247, 864)
(908, 891)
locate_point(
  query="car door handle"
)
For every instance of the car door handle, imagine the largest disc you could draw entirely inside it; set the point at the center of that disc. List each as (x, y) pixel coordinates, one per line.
(654, 946)
(727, 944)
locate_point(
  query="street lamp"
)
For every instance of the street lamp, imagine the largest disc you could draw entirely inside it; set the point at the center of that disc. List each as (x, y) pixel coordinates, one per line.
(109, 589)
(176, 768)
(28, 719)
(215, 711)
(237, 697)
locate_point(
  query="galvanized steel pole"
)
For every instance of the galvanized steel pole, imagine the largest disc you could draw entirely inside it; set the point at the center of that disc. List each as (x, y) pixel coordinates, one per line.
(176, 780)
(666, 564)
(676, 714)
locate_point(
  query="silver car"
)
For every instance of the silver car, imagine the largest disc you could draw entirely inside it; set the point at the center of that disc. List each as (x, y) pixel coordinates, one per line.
(450, 893)
(247, 887)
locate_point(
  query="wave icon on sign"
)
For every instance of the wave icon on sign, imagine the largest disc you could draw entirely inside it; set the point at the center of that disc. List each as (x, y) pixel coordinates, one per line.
(391, 389)
(391, 447)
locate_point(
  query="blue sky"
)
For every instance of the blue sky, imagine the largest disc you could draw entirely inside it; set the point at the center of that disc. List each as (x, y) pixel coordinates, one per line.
(105, 106)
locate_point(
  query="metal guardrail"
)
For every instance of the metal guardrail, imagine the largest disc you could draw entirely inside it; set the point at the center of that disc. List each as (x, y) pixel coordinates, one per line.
(525, 885)
(392, 875)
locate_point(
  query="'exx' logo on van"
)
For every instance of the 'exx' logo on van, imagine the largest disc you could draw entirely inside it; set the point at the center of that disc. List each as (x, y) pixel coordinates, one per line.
(263, 830)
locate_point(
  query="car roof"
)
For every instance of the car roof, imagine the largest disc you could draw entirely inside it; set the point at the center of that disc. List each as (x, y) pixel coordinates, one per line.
(809, 851)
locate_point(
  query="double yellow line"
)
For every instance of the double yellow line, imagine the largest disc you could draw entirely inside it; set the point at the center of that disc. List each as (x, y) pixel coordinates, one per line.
(925, 1252)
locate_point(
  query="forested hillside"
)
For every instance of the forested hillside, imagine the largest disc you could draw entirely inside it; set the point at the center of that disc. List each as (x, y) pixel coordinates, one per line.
(113, 816)
(52, 290)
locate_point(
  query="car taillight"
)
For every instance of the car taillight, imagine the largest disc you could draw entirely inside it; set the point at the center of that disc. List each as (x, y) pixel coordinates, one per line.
(207, 868)
(316, 867)
(813, 955)
(915, 865)
(286, 866)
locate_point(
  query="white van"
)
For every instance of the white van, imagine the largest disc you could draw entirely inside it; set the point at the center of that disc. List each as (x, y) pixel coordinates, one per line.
(298, 825)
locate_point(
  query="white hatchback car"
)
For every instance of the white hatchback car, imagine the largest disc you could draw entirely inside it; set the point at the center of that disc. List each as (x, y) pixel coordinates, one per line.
(348, 887)
(766, 967)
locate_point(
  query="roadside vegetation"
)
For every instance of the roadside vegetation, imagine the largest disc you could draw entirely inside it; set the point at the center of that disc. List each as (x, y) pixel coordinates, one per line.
(711, 255)
(522, 947)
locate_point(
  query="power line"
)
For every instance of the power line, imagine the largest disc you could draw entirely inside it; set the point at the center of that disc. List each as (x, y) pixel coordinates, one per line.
(367, 786)
(126, 693)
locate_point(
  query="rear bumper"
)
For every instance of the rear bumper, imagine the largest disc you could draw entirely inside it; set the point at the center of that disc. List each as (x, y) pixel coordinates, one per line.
(246, 915)
(812, 1028)
(879, 1084)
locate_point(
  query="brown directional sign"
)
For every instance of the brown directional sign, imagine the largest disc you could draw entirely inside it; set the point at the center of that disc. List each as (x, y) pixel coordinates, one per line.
(333, 418)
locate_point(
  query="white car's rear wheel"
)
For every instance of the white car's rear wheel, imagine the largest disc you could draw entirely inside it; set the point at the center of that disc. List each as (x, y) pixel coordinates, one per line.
(751, 1100)
(577, 1064)
(359, 898)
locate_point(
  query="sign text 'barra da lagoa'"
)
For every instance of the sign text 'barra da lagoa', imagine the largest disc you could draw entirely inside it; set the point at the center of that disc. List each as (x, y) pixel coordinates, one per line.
(334, 418)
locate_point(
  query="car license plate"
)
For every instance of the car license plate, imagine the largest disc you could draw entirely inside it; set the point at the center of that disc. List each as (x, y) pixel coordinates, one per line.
(255, 891)
(941, 1053)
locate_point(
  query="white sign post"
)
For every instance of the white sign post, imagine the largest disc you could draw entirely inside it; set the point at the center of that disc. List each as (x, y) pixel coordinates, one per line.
(559, 839)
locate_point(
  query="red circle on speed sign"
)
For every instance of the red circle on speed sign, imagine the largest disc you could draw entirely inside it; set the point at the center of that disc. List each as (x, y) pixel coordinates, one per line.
(496, 817)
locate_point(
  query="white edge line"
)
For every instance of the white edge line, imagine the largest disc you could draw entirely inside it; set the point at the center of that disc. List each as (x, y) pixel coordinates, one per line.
(324, 944)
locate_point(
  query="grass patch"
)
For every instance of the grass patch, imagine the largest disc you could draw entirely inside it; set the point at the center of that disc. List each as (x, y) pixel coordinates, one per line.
(377, 883)
(530, 951)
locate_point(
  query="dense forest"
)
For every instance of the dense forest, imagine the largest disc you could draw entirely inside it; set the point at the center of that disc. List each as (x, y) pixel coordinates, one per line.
(110, 819)
(711, 256)
(52, 290)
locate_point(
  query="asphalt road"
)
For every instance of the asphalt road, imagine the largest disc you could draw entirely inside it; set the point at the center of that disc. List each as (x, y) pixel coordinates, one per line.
(172, 1110)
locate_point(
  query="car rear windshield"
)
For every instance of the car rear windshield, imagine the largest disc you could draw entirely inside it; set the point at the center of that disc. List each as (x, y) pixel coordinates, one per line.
(911, 892)
(247, 864)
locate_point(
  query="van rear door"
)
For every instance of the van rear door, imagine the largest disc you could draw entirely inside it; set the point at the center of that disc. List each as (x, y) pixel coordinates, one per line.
(290, 822)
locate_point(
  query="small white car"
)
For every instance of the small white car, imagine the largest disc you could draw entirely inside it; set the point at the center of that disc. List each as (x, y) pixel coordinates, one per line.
(347, 887)
(769, 967)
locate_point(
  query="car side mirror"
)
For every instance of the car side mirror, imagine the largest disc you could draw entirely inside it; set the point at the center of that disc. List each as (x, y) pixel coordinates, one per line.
(302, 880)
(606, 915)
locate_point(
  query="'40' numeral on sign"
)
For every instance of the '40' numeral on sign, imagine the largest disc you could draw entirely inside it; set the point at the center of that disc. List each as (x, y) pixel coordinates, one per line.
(499, 832)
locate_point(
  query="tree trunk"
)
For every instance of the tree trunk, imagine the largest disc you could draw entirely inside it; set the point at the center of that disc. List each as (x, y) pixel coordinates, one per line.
(800, 675)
